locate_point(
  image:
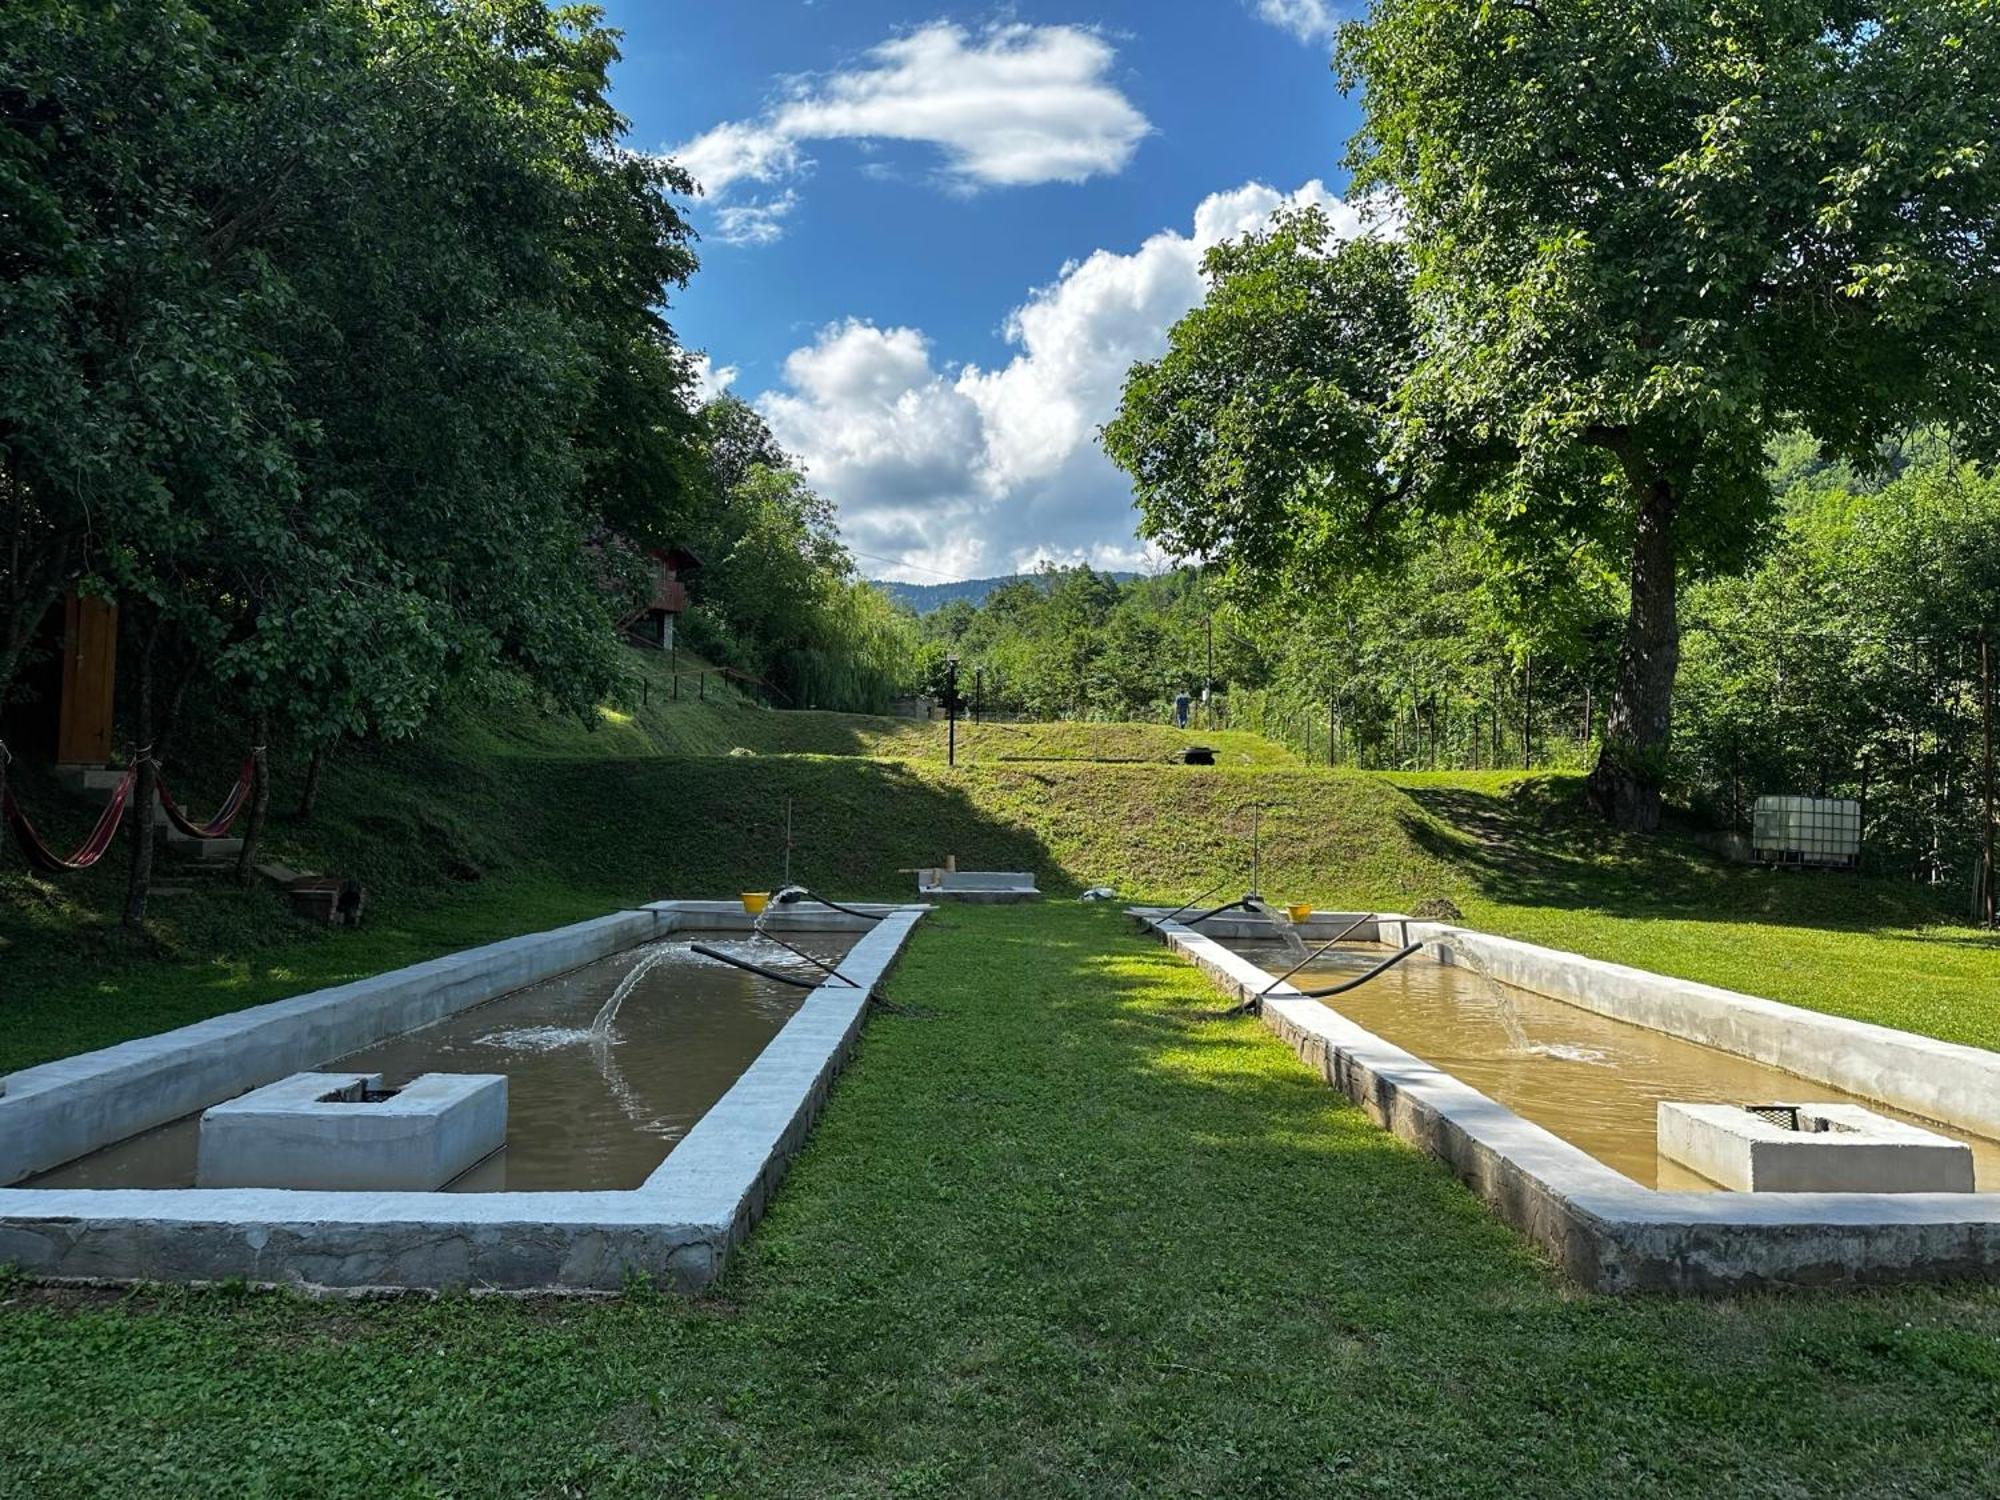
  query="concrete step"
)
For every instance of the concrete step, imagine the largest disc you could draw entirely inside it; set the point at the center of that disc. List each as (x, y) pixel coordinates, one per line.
(279, 874)
(211, 851)
(100, 781)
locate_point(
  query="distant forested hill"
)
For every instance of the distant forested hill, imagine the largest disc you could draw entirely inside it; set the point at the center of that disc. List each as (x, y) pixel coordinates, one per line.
(925, 597)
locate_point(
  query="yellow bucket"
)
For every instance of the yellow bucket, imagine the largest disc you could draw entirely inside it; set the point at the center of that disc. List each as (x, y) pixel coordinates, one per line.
(754, 902)
(1299, 912)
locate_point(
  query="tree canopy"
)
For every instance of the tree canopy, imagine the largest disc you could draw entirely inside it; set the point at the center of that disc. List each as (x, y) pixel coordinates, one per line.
(1632, 244)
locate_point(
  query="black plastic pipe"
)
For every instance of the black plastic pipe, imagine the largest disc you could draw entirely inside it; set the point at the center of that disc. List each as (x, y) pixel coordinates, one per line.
(1360, 979)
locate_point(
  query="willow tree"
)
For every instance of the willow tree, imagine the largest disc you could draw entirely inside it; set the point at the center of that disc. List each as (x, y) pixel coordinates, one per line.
(1637, 239)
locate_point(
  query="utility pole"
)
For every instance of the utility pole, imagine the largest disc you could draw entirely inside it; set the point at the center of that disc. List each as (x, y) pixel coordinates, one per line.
(978, 690)
(1987, 902)
(1332, 724)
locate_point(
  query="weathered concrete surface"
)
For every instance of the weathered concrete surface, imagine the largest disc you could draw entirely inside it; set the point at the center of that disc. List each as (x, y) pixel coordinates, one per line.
(675, 1231)
(348, 1241)
(989, 887)
(1942, 1081)
(1603, 1229)
(1320, 927)
(727, 1167)
(1842, 1148)
(58, 1111)
(318, 1131)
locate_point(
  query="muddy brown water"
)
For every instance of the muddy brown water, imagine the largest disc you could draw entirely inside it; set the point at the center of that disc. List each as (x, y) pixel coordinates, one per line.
(597, 1095)
(1592, 1080)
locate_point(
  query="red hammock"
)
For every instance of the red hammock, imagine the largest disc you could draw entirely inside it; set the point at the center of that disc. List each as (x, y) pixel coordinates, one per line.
(45, 859)
(218, 825)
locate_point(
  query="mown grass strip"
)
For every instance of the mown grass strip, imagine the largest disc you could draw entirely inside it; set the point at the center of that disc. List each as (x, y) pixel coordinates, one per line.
(1057, 1237)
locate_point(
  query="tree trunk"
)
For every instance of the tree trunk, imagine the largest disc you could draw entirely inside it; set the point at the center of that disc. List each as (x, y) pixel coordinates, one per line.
(145, 791)
(260, 804)
(1631, 765)
(315, 770)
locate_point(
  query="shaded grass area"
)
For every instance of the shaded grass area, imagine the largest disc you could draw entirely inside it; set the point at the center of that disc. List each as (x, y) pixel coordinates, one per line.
(1057, 1238)
(509, 822)
(457, 849)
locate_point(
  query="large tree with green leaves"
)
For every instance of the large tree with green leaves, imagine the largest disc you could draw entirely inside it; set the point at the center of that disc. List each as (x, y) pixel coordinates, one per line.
(332, 348)
(1635, 240)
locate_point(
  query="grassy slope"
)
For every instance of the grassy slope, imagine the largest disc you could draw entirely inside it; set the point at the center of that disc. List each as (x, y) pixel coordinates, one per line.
(1058, 1238)
(507, 822)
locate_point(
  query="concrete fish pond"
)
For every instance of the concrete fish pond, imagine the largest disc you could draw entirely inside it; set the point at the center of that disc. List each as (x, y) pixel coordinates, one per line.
(1541, 1079)
(652, 1097)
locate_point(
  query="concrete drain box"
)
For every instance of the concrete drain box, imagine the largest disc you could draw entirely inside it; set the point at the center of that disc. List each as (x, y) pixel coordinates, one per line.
(344, 1131)
(977, 886)
(1811, 1148)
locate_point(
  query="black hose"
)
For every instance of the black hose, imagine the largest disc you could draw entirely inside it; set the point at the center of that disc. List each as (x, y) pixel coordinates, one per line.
(869, 996)
(820, 964)
(1343, 936)
(758, 969)
(1158, 922)
(1244, 903)
(1360, 979)
(800, 893)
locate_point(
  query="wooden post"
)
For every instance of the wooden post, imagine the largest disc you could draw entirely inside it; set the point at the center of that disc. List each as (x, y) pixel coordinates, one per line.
(1987, 903)
(260, 802)
(1528, 713)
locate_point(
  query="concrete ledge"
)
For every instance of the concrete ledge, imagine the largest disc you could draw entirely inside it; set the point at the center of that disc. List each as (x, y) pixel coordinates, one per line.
(1603, 1229)
(676, 1230)
(1942, 1081)
(61, 1110)
(978, 887)
(726, 1168)
(336, 1131)
(1834, 1148)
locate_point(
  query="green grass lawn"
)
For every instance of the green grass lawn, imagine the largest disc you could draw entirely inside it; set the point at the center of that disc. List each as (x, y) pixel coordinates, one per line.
(1059, 1236)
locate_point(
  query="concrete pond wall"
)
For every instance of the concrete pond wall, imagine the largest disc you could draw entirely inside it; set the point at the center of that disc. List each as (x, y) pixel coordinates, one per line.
(1605, 1230)
(676, 1229)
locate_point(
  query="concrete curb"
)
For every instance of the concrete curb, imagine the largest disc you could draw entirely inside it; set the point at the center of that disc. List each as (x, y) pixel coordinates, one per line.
(1605, 1230)
(677, 1229)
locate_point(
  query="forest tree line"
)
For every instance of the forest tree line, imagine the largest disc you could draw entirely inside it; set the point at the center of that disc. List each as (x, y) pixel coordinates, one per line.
(335, 352)
(1844, 663)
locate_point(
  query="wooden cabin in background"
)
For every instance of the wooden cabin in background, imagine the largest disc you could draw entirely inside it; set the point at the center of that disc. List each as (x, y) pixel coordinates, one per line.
(62, 710)
(654, 625)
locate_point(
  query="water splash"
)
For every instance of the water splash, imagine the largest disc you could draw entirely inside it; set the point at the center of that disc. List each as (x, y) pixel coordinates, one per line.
(534, 1038)
(1287, 934)
(650, 958)
(1570, 1052)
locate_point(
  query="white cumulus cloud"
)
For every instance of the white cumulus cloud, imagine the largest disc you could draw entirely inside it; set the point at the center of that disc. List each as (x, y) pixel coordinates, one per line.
(759, 223)
(1309, 20)
(711, 380)
(1013, 105)
(962, 469)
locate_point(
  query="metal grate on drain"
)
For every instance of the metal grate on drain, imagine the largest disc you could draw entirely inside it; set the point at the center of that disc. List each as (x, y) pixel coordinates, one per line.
(1788, 1117)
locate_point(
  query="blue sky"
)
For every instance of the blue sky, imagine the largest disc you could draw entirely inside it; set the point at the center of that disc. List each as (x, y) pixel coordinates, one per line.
(934, 236)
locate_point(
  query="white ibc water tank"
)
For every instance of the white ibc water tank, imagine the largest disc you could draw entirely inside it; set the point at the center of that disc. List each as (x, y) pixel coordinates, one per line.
(1806, 830)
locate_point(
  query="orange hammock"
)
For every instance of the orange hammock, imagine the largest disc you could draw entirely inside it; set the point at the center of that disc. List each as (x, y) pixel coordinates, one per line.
(218, 825)
(45, 859)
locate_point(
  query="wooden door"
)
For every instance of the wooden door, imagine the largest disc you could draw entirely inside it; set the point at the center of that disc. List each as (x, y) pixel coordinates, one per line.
(90, 675)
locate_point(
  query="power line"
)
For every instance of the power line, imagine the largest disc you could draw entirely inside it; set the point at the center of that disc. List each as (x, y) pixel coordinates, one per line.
(897, 562)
